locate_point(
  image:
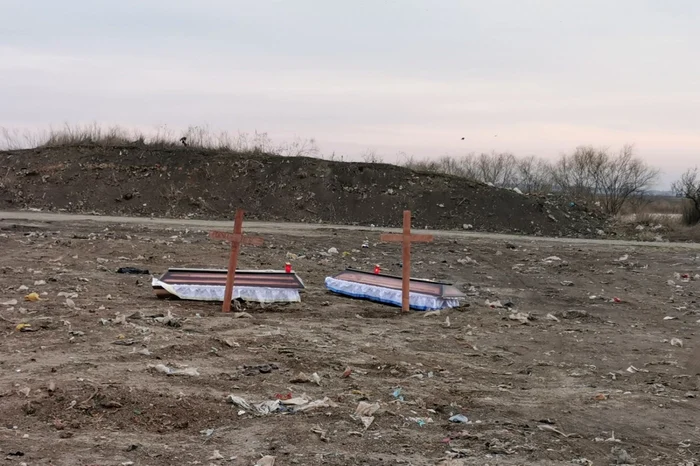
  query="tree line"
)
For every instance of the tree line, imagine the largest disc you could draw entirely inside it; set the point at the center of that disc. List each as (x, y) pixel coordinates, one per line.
(601, 175)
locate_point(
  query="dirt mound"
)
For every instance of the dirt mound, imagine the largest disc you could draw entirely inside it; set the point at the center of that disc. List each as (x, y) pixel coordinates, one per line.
(192, 183)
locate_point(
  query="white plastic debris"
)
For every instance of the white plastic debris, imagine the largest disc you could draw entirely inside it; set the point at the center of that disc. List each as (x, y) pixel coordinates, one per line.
(552, 259)
(494, 304)
(520, 317)
(366, 409)
(266, 461)
(216, 455)
(333, 251)
(552, 317)
(9, 302)
(677, 342)
(623, 258)
(670, 318)
(189, 371)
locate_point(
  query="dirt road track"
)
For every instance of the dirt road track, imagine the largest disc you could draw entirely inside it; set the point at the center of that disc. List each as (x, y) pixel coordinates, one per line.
(305, 229)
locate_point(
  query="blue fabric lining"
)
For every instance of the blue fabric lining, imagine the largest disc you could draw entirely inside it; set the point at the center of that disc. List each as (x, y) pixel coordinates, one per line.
(376, 299)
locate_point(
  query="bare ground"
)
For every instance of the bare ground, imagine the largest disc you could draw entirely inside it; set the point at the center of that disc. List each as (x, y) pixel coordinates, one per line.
(605, 375)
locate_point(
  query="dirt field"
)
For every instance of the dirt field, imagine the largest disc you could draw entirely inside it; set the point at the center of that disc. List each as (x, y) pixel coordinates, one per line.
(602, 384)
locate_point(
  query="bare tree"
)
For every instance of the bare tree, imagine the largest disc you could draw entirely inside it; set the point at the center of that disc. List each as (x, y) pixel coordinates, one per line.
(688, 187)
(497, 169)
(579, 174)
(621, 176)
(534, 175)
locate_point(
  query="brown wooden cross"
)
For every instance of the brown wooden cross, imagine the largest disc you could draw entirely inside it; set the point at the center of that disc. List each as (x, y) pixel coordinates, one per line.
(406, 238)
(236, 239)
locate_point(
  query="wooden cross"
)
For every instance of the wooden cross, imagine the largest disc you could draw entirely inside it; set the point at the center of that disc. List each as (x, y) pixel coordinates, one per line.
(236, 239)
(406, 238)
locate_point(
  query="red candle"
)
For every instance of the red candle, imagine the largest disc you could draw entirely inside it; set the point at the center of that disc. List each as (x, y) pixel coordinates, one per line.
(377, 270)
(288, 267)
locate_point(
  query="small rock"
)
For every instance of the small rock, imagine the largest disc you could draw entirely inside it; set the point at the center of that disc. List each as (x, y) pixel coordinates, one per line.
(677, 342)
(333, 251)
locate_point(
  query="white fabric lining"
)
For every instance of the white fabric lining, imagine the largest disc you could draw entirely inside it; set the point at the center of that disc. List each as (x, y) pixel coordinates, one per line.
(216, 293)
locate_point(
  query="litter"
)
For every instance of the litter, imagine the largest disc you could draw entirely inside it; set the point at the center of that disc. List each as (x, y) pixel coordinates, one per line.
(266, 461)
(397, 394)
(494, 304)
(425, 295)
(11, 302)
(216, 456)
(670, 318)
(551, 259)
(133, 271)
(264, 286)
(303, 378)
(520, 317)
(333, 251)
(459, 418)
(189, 371)
(32, 297)
(366, 409)
(552, 317)
(677, 342)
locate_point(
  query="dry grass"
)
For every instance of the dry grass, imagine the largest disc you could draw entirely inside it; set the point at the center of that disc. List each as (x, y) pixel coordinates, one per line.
(197, 137)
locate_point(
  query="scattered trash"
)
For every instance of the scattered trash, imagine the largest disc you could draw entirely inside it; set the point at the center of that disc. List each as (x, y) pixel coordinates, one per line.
(24, 328)
(548, 428)
(264, 408)
(322, 433)
(670, 318)
(11, 302)
(365, 244)
(39, 283)
(620, 456)
(447, 322)
(346, 373)
(551, 259)
(133, 271)
(366, 409)
(616, 300)
(397, 394)
(494, 304)
(303, 378)
(266, 461)
(189, 371)
(215, 456)
(32, 297)
(420, 421)
(467, 226)
(459, 418)
(623, 258)
(520, 317)
(467, 260)
(601, 397)
(70, 304)
(241, 315)
(169, 320)
(333, 251)
(431, 313)
(567, 283)
(677, 342)
(552, 317)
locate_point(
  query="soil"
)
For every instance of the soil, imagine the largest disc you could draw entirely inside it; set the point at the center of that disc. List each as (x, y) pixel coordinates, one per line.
(600, 385)
(192, 183)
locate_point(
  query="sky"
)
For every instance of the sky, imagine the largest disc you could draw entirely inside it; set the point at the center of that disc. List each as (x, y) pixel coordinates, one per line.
(390, 76)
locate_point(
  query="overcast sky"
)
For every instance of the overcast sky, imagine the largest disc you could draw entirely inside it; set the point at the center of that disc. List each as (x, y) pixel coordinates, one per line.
(415, 76)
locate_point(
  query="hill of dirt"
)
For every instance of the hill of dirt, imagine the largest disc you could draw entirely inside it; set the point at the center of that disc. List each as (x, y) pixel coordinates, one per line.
(194, 183)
